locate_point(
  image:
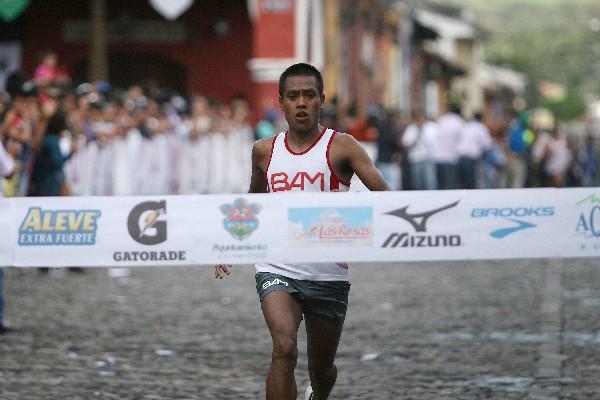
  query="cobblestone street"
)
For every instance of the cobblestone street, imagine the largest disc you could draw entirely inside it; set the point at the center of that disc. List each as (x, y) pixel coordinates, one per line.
(525, 329)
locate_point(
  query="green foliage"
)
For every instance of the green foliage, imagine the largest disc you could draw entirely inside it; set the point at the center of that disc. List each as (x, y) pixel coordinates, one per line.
(568, 108)
(547, 40)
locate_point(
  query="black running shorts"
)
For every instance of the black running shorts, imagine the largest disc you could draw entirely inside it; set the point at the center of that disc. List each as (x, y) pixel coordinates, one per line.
(328, 299)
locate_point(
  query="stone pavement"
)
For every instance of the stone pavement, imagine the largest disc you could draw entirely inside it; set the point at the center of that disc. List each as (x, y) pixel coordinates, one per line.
(526, 329)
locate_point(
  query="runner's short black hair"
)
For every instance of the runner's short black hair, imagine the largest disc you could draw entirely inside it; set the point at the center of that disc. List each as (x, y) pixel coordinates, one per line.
(301, 69)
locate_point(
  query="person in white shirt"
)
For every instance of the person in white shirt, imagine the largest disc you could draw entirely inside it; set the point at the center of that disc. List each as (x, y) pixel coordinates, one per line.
(419, 140)
(474, 139)
(444, 151)
(309, 158)
(553, 151)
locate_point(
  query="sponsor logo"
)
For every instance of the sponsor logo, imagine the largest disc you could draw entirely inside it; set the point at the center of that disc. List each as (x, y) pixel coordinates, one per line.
(59, 227)
(275, 281)
(419, 222)
(147, 222)
(240, 221)
(588, 222)
(513, 215)
(240, 218)
(149, 255)
(330, 226)
(281, 182)
(147, 225)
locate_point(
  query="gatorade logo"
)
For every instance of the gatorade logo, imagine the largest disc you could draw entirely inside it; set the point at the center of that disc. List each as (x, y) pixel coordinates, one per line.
(147, 222)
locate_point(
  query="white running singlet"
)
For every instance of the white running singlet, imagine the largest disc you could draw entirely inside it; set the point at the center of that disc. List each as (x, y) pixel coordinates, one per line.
(309, 171)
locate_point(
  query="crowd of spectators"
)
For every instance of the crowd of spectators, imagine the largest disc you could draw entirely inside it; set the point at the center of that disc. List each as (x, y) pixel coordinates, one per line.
(95, 139)
(453, 152)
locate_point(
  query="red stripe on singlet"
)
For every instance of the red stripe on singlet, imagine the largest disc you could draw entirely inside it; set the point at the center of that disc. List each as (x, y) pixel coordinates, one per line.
(308, 149)
(269, 163)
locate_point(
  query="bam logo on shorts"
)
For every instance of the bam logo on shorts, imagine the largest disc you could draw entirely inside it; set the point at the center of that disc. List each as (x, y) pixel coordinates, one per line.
(275, 281)
(59, 227)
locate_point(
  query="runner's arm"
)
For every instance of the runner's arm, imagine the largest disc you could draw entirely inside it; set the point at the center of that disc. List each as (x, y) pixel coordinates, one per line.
(355, 160)
(260, 151)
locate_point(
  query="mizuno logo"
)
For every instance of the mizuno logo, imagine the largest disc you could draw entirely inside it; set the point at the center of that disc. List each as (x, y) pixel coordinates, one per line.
(419, 220)
(501, 233)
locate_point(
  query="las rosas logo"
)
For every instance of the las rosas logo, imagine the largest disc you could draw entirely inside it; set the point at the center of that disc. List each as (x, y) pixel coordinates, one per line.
(147, 222)
(318, 226)
(419, 222)
(240, 218)
(59, 227)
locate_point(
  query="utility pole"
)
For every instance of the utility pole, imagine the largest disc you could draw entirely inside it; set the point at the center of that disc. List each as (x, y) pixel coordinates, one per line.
(97, 56)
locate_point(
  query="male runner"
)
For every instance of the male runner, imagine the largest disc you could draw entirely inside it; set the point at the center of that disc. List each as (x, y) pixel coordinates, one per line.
(319, 292)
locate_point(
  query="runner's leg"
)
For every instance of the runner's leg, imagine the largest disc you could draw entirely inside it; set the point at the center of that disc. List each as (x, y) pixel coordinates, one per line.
(323, 336)
(282, 314)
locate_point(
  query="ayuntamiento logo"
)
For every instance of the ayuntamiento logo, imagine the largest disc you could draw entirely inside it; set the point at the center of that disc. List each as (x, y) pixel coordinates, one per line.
(240, 221)
(240, 218)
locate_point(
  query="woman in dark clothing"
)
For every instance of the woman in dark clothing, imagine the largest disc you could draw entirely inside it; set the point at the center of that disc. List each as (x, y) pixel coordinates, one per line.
(48, 178)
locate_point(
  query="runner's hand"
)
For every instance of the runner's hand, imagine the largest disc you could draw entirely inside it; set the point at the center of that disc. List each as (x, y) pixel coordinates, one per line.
(221, 270)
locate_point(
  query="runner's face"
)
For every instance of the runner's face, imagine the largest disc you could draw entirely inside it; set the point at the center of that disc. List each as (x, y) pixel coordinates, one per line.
(301, 103)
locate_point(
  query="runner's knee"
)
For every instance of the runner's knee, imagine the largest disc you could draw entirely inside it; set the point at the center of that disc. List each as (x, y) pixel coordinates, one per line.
(320, 365)
(285, 349)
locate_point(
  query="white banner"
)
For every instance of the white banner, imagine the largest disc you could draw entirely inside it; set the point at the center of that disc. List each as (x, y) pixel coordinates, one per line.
(300, 227)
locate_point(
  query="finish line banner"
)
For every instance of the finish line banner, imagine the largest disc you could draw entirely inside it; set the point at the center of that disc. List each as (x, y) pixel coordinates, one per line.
(299, 227)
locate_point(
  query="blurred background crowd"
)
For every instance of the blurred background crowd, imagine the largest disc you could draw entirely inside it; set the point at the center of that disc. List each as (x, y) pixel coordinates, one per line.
(146, 98)
(98, 139)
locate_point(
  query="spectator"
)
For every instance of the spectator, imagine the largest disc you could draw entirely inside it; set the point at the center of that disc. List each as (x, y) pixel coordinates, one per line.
(265, 128)
(419, 140)
(590, 164)
(445, 154)
(556, 158)
(474, 139)
(494, 162)
(47, 71)
(48, 177)
(388, 150)
(516, 168)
